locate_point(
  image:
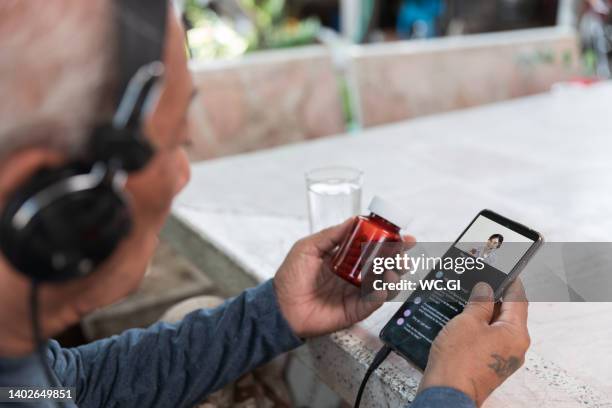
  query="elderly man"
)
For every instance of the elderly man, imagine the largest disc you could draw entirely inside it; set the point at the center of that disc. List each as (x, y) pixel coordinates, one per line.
(58, 67)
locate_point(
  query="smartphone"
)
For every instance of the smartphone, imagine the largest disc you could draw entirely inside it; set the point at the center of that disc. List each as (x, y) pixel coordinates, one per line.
(501, 248)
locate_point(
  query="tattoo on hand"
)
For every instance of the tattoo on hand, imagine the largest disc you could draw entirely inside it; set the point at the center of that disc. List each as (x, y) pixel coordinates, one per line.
(504, 367)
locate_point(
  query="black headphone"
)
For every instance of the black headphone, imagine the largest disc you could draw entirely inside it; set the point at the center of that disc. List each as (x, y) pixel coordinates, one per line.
(64, 222)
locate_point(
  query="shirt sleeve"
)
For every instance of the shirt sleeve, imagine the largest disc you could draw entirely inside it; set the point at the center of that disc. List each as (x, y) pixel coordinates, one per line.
(442, 397)
(174, 365)
(21, 372)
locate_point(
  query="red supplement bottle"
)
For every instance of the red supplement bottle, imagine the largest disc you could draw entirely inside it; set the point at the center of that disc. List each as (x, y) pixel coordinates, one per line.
(365, 238)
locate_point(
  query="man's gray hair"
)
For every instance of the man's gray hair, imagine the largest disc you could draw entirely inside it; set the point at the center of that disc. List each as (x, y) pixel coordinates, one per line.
(56, 71)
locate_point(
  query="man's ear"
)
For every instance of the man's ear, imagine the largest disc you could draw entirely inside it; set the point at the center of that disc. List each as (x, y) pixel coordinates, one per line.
(18, 167)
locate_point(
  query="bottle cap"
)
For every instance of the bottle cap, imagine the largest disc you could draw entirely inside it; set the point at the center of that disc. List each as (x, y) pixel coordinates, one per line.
(389, 212)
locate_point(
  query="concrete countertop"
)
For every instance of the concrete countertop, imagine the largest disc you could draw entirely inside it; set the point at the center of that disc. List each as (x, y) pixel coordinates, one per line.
(542, 160)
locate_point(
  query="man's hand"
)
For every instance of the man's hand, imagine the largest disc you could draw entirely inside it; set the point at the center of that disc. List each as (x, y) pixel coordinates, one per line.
(477, 350)
(312, 298)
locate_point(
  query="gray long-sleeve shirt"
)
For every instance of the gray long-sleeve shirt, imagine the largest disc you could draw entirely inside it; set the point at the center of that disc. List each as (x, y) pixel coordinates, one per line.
(177, 365)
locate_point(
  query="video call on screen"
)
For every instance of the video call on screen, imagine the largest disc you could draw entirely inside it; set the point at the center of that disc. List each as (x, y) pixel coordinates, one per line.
(415, 326)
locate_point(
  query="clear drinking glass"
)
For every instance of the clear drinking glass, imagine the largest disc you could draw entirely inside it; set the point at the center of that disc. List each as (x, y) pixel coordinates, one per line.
(334, 194)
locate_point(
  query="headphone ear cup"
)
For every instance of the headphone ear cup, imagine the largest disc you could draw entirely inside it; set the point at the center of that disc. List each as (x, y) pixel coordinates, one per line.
(10, 239)
(69, 237)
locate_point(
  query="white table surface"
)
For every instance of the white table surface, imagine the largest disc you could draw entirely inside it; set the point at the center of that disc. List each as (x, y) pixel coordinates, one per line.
(543, 160)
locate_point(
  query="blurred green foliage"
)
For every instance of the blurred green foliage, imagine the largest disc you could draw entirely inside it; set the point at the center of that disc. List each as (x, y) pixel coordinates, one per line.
(270, 27)
(194, 12)
(209, 37)
(267, 13)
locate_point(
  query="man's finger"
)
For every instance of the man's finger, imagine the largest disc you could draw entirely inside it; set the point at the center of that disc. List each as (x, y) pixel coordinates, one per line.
(326, 240)
(481, 304)
(409, 241)
(391, 277)
(514, 307)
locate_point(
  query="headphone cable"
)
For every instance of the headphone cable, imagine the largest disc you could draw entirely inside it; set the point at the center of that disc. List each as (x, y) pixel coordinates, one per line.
(380, 356)
(39, 344)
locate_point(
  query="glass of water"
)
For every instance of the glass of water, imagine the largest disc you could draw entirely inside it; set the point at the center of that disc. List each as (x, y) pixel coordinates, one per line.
(334, 194)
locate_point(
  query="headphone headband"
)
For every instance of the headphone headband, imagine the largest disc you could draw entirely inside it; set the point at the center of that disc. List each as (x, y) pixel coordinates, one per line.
(141, 29)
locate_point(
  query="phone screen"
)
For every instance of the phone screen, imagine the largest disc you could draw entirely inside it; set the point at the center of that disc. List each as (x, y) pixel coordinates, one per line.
(502, 247)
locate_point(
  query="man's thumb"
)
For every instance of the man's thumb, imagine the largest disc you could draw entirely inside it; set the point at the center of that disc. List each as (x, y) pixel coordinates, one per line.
(481, 304)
